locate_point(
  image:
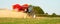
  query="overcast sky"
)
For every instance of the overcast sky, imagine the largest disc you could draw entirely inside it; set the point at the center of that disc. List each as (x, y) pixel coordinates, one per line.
(49, 6)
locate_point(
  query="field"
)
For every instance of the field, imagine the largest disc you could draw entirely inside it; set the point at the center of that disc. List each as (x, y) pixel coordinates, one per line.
(12, 14)
(42, 20)
(10, 17)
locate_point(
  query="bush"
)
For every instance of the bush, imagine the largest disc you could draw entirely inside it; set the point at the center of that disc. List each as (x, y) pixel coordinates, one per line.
(37, 10)
(53, 15)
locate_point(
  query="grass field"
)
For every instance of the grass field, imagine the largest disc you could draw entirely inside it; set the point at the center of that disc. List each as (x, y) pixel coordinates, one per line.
(9, 17)
(42, 20)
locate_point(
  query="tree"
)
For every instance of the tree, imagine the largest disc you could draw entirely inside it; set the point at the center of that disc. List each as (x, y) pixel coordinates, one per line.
(37, 10)
(53, 14)
(46, 13)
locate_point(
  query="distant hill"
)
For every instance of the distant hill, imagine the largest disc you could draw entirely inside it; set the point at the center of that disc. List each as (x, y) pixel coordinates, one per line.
(3, 8)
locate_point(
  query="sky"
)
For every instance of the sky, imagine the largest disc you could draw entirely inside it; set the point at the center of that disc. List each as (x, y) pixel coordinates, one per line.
(48, 6)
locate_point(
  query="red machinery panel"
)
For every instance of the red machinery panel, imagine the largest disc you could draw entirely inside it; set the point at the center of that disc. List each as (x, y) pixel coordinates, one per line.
(20, 8)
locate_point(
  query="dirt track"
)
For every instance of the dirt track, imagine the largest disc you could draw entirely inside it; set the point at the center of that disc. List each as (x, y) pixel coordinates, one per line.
(8, 13)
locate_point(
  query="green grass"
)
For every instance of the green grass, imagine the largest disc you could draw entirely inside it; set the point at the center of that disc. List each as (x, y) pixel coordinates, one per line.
(30, 21)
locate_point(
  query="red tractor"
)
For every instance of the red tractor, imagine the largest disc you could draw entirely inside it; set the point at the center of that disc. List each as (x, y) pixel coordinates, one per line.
(18, 7)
